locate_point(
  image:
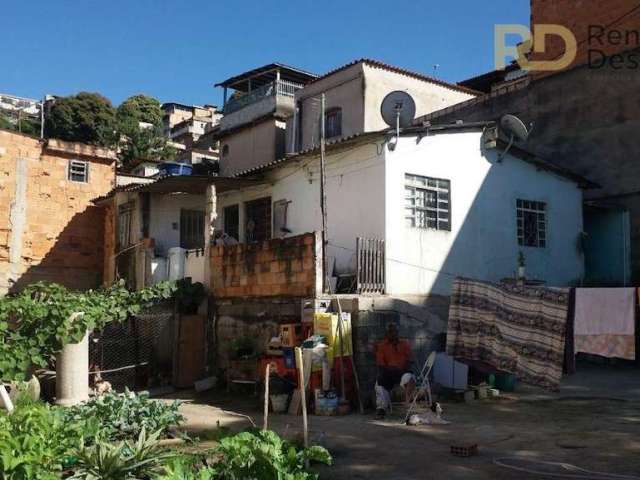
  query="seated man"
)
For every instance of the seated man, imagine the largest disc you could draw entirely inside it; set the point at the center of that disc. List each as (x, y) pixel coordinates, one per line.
(393, 359)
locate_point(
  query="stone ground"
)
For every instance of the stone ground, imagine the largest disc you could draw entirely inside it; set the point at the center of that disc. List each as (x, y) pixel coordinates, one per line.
(593, 423)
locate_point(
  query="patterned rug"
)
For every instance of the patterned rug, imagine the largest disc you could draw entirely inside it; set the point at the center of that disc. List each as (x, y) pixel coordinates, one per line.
(510, 328)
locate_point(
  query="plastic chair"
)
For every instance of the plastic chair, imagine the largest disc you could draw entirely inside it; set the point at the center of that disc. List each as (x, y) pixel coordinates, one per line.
(425, 385)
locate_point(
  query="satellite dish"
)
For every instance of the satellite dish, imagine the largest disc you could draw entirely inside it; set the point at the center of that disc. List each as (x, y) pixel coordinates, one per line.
(514, 127)
(398, 109)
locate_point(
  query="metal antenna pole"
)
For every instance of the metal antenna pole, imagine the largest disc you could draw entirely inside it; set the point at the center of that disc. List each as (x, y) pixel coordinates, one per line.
(323, 196)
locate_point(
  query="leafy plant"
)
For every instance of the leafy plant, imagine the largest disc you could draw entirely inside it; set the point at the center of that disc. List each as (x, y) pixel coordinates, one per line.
(189, 295)
(85, 117)
(141, 459)
(264, 455)
(126, 415)
(44, 317)
(35, 441)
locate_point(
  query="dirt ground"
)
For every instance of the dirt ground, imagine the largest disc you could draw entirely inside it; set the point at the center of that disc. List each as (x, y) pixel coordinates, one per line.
(593, 423)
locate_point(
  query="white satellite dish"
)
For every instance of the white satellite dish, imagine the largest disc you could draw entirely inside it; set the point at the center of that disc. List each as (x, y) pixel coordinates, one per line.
(515, 129)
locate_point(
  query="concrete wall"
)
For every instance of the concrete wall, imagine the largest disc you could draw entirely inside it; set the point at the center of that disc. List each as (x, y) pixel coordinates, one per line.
(355, 198)
(428, 96)
(252, 146)
(279, 267)
(482, 243)
(49, 229)
(359, 90)
(344, 89)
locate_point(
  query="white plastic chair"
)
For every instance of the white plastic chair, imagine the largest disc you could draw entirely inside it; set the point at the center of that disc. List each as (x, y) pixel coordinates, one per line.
(425, 385)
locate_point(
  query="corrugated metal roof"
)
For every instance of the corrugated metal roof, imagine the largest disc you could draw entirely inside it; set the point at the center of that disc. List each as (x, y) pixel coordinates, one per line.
(315, 148)
(193, 184)
(403, 71)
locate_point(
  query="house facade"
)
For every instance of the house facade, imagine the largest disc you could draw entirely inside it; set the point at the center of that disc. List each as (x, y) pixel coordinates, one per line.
(353, 96)
(442, 203)
(49, 229)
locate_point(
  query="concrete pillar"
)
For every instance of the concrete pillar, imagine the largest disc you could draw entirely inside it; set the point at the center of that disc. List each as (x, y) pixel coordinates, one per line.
(72, 373)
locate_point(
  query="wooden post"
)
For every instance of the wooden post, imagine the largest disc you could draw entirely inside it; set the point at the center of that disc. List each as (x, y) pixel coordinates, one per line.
(303, 396)
(265, 424)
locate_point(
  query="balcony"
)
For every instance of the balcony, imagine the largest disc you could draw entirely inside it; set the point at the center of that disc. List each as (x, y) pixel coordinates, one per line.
(278, 87)
(259, 92)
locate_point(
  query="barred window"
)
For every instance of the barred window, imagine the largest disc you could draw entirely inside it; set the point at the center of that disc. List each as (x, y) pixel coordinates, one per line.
(78, 171)
(333, 122)
(427, 202)
(532, 223)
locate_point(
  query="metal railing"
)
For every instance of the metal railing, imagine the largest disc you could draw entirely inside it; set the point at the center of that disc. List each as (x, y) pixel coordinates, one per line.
(370, 269)
(281, 87)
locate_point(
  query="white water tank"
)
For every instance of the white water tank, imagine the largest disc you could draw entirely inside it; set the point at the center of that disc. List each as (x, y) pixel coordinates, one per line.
(176, 257)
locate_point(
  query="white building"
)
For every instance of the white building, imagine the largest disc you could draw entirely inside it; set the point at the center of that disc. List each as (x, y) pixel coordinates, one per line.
(444, 204)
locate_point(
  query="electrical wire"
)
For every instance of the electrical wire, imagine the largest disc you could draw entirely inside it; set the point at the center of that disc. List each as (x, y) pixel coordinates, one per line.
(579, 473)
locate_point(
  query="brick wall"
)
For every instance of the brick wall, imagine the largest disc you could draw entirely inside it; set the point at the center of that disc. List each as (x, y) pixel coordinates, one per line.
(578, 15)
(278, 267)
(49, 229)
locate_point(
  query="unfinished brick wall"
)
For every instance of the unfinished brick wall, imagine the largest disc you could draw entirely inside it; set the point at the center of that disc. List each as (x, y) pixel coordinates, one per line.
(578, 15)
(49, 229)
(278, 267)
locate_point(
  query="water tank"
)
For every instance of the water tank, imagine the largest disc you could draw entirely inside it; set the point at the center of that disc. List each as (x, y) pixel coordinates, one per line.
(175, 168)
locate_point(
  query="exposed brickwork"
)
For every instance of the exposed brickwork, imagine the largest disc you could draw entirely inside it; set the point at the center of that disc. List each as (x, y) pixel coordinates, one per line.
(62, 234)
(578, 15)
(279, 267)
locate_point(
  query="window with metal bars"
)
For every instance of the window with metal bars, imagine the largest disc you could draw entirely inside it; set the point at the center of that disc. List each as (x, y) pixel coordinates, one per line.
(427, 202)
(78, 171)
(532, 223)
(191, 229)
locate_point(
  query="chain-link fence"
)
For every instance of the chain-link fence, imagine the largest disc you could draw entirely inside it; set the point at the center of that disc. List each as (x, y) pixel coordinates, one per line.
(137, 353)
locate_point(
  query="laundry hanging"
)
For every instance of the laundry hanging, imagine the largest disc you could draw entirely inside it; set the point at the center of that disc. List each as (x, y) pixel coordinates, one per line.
(518, 330)
(605, 322)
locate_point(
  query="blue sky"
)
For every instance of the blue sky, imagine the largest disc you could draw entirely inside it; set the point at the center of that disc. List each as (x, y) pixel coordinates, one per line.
(176, 50)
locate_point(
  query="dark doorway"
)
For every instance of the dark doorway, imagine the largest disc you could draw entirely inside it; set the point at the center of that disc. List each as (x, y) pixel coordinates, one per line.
(191, 229)
(258, 226)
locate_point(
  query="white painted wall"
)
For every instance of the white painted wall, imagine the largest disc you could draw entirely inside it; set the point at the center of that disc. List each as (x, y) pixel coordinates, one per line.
(483, 241)
(355, 198)
(428, 96)
(164, 224)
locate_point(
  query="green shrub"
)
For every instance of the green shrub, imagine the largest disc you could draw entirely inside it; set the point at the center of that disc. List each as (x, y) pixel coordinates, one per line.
(36, 441)
(125, 415)
(266, 456)
(125, 460)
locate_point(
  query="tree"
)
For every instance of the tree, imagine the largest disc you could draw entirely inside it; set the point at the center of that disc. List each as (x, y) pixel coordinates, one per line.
(140, 108)
(142, 141)
(85, 117)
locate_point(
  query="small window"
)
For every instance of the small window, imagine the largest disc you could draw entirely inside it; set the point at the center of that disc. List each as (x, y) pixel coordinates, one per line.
(231, 218)
(333, 123)
(280, 209)
(78, 171)
(532, 223)
(427, 202)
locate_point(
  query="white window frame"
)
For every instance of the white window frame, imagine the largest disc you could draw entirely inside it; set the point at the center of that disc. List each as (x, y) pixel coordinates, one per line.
(539, 209)
(433, 217)
(73, 168)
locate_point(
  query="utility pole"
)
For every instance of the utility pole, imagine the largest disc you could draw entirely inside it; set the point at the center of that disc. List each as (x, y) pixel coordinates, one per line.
(323, 197)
